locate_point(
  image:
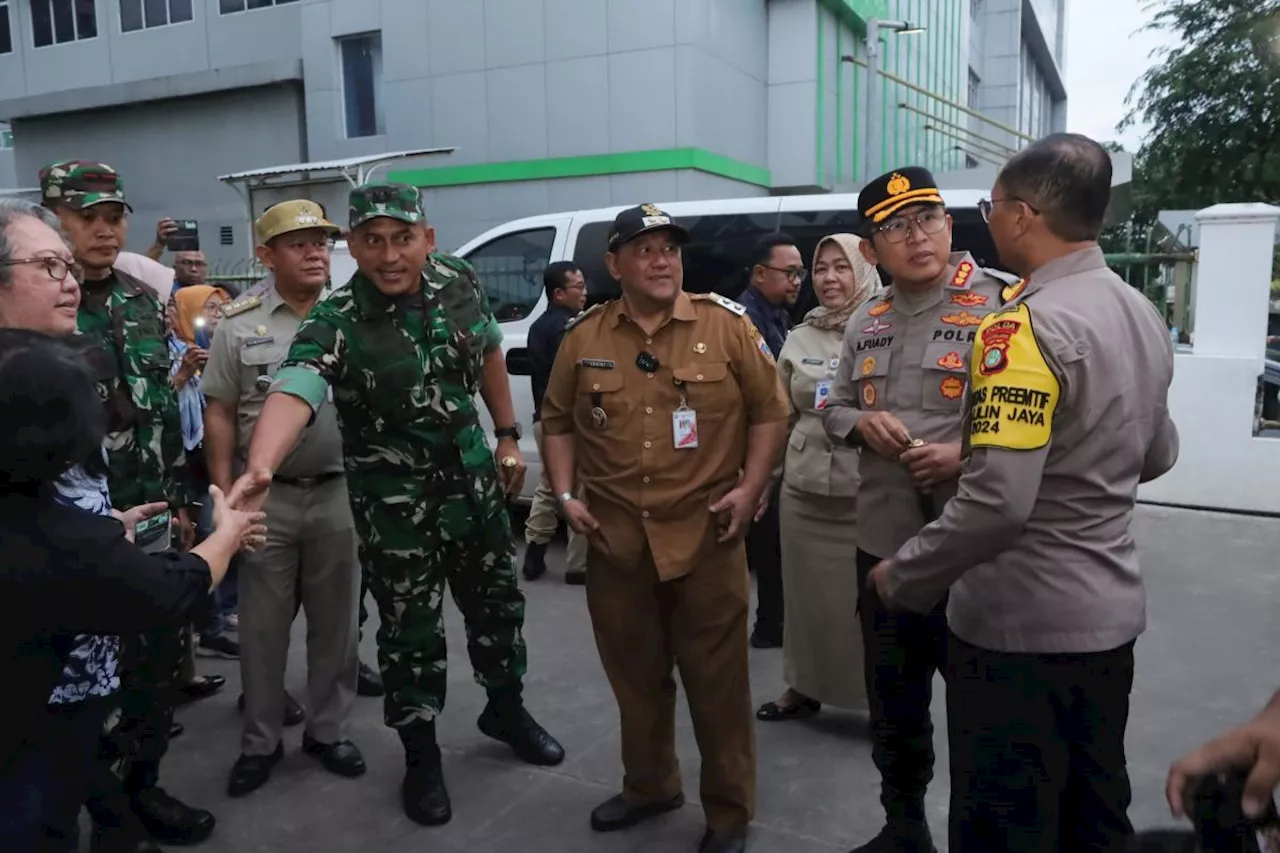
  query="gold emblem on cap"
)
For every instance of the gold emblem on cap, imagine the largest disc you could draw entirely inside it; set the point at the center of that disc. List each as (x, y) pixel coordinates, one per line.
(650, 210)
(898, 184)
(261, 331)
(699, 347)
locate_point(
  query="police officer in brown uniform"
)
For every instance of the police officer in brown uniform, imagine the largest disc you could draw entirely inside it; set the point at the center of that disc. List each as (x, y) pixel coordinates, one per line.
(667, 409)
(1067, 415)
(898, 394)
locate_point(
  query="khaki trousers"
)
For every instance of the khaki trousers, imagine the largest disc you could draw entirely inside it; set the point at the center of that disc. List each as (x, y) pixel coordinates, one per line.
(544, 516)
(310, 549)
(699, 622)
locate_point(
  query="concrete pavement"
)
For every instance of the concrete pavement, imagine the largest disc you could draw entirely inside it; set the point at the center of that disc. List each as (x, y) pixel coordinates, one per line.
(1207, 660)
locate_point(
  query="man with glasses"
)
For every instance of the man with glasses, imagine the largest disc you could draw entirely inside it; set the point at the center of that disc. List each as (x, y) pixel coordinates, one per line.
(311, 551)
(898, 395)
(776, 273)
(122, 329)
(189, 268)
(1068, 414)
(666, 410)
(566, 290)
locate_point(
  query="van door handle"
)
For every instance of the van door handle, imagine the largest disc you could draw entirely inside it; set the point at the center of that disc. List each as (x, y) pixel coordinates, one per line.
(518, 363)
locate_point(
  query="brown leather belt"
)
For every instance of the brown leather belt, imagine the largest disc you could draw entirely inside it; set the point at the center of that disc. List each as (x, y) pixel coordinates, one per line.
(308, 482)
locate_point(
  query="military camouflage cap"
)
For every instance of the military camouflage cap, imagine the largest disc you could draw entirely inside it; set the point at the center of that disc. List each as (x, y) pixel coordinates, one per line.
(397, 201)
(81, 183)
(295, 215)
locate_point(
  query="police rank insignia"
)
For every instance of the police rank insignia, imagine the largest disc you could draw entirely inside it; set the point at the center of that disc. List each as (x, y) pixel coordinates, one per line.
(964, 318)
(963, 271)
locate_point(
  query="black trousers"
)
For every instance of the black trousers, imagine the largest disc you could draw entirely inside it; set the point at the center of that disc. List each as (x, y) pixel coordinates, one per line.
(901, 652)
(764, 558)
(1037, 750)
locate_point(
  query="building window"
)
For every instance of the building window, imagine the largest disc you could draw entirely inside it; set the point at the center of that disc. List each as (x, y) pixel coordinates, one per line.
(361, 84)
(62, 21)
(146, 14)
(974, 82)
(228, 7)
(6, 139)
(6, 28)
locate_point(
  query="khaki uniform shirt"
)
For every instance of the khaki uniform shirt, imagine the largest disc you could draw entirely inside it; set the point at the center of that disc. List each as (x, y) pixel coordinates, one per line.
(1067, 415)
(646, 493)
(908, 356)
(251, 341)
(813, 464)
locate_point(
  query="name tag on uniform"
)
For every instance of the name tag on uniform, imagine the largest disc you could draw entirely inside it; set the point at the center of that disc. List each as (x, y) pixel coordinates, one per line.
(597, 363)
(814, 361)
(684, 429)
(821, 394)
(257, 342)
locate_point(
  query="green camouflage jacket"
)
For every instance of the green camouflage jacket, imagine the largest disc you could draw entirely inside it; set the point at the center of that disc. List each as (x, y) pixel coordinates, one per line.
(126, 350)
(404, 379)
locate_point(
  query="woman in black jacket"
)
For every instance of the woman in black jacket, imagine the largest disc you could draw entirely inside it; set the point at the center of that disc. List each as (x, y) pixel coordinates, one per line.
(71, 579)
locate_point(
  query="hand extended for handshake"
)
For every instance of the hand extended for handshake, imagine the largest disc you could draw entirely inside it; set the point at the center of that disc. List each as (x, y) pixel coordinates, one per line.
(239, 513)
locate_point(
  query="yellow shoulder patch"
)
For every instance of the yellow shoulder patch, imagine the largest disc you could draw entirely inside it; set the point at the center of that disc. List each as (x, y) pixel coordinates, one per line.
(1013, 392)
(240, 306)
(1013, 291)
(582, 315)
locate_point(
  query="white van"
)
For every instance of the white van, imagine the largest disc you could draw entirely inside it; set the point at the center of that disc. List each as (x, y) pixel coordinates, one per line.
(511, 257)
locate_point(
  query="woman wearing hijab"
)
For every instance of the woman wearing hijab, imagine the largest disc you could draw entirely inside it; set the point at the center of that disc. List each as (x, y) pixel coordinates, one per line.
(822, 647)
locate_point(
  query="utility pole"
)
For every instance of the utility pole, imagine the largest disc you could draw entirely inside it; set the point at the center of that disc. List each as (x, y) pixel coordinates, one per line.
(872, 126)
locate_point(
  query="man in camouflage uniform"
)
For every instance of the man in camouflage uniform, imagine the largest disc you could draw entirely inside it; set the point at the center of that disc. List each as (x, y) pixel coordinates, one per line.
(122, 329)
(403, 349)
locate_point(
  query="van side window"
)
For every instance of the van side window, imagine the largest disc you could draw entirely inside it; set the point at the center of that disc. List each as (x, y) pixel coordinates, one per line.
(715, 258)
(510, 268)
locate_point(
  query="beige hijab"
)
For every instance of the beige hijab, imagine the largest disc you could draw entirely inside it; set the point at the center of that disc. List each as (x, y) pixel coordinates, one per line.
(866, 283)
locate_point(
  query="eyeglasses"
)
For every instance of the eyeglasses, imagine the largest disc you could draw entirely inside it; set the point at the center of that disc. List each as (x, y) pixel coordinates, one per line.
(796, 275)
(929, 221)
(57, 268)
(987, 205)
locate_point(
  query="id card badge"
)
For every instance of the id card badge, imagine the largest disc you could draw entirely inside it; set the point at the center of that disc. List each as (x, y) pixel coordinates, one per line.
(821, 394)
(684, 429)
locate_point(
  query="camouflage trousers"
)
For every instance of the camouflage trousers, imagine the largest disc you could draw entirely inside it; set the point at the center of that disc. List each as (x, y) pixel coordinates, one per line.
(410, 550)
(151, 666)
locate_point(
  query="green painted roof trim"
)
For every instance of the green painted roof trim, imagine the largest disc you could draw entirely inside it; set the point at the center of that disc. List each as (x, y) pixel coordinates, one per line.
(592, 165)
(855, 13)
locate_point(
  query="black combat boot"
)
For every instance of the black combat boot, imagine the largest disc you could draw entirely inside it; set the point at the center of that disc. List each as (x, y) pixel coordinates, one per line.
(506, 719)
(535, 561)
(426, 800)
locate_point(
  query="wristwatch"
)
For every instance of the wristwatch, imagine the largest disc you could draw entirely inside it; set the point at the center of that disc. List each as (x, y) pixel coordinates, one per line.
(565, 497)
(512, 431)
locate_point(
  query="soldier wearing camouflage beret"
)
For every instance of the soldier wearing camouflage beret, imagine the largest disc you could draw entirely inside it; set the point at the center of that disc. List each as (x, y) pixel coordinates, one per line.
(404, 348)
(122, 328)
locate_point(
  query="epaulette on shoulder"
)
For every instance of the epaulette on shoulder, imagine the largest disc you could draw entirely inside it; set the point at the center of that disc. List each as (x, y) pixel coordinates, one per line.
(582, 315)
(723, 301)
(1013, 291)
(241, 305)
(1006, 277)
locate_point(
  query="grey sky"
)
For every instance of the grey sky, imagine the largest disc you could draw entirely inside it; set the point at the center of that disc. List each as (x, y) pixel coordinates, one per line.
(1105, 55)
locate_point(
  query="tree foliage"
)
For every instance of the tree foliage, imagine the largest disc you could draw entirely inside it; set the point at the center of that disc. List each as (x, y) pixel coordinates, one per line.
(1213, 106)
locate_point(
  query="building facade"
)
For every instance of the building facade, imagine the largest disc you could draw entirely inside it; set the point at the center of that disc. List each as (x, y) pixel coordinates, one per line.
(550, 104)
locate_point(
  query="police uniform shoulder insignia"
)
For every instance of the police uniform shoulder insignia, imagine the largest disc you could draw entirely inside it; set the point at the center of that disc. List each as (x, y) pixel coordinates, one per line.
(964, 272)
(725, 302)
(1013, 391)
(1013, 291)
(240, 306)
(582, 315)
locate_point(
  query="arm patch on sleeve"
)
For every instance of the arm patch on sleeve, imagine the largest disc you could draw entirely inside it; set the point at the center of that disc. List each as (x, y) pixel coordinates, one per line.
(1013, 391)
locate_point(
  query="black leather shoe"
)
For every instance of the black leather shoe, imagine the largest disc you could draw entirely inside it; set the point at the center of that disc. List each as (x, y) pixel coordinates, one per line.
(369, 682)
(515, 727)
(200, 687)
(341, 758)
(900, 836)
(615, 813)
(575, 578)
(176, 729)
(171, 821)
(251, 772)
(766, 638)
(426, 799)
(712, 843)
(293, 713)
(535, 561)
